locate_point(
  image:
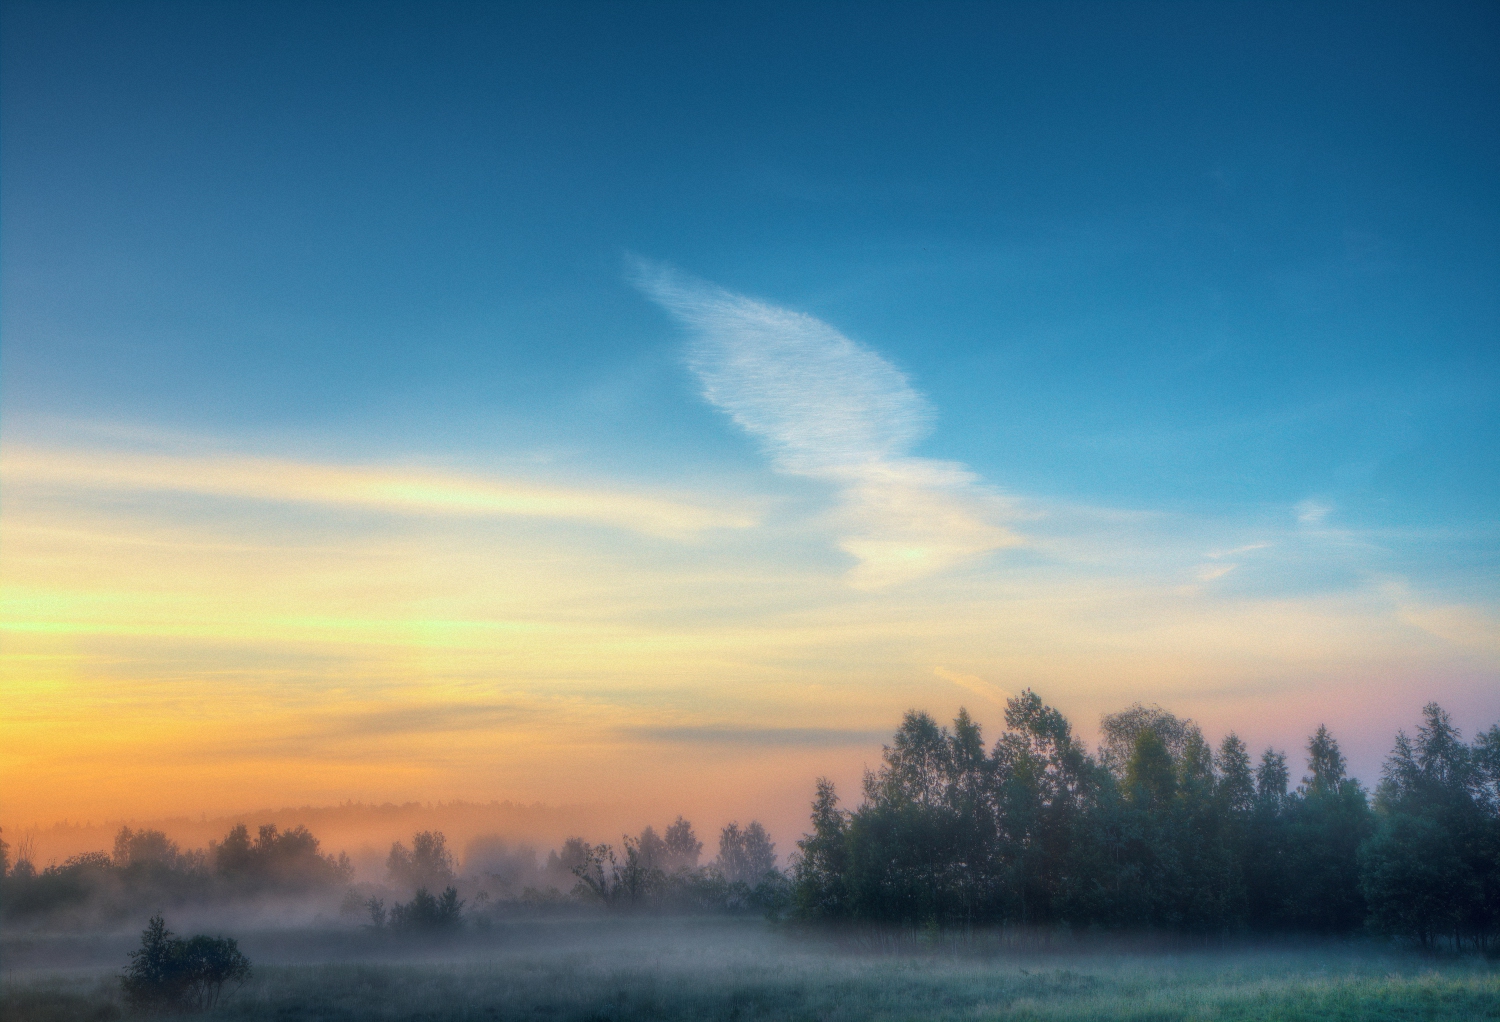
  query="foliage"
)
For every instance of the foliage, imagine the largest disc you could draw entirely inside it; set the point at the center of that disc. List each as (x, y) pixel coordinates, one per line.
(277, 860)
(70, 884)
(1432, 870)
(428, 864)
(168, 973)
(745, 856)
(426, 912)
(651, 873)
(1158, 832)
(682, 847)
(147, 869)
(616, 884)
(1323, 824)
(379, 916)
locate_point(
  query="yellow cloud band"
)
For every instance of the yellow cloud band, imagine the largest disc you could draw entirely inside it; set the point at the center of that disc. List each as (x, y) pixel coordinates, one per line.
(392, 489)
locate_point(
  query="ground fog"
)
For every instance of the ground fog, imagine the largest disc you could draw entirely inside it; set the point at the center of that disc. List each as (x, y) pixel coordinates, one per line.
(607, 967)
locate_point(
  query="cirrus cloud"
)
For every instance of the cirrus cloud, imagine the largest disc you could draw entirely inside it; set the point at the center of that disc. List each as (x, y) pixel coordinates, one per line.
(825, 407)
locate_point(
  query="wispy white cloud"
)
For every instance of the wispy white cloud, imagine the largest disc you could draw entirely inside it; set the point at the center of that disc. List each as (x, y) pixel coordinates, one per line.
(1312, 512)
(1237, 551)
(974, 684)
(1470, 627)
(1209, 572)
(819, 401)
(826, 407)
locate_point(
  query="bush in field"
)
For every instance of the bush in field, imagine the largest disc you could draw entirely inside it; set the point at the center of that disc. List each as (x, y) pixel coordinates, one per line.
(378, 914)
(171, 974)
(425, 912)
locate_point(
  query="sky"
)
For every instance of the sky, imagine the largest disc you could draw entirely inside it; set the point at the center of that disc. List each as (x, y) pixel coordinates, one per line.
(643, 405)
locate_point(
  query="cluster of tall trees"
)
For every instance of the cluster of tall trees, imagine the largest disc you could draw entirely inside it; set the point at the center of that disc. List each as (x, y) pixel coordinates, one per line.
(1160, 831)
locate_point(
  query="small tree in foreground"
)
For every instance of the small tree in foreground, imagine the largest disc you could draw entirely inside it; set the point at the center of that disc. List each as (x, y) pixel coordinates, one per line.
(168, 973)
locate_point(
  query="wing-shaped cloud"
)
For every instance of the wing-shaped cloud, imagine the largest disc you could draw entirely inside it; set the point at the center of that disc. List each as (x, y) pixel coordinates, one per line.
(817, 400)
(826, 407)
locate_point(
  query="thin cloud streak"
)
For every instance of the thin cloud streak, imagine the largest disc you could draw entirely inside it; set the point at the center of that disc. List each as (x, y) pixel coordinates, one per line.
(974, 684)
(397, 490)
(759, 737)
(825, 407)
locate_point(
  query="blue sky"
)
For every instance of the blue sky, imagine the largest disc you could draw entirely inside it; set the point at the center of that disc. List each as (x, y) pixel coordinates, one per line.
(1242, 253)
(1231, 269)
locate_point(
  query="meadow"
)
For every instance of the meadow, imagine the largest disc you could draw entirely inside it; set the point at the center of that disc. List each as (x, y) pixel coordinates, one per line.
(613, 968)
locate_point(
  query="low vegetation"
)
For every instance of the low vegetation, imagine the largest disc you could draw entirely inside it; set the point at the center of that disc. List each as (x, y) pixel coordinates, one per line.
(168, 973)
(627, 968)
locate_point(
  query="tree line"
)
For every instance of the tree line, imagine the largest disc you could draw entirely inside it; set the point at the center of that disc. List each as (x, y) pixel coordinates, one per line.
(648, 872)
(1154, 830)
(147, 868)
(1157, 830)
(422, 888)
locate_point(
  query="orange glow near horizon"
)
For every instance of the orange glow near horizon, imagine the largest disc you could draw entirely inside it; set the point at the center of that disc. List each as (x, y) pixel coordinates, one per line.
(180, 652)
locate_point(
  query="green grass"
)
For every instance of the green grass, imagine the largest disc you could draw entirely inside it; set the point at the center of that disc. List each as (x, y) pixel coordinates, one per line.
(598, 970)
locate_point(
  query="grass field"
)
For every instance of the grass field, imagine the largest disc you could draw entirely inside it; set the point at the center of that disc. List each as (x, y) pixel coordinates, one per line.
(608, 969)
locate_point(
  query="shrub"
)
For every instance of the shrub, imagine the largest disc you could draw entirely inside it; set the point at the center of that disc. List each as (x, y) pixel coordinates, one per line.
(169, 973)
(426, 911)
(378, 914)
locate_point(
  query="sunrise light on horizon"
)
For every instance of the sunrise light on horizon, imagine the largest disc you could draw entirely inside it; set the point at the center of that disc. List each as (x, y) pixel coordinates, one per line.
(598, 418)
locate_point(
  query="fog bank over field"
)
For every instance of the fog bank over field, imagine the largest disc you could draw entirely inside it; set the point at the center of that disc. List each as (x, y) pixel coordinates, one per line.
(655, 968)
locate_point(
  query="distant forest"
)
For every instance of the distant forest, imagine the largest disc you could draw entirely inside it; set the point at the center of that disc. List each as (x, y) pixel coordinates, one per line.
(1156, 831)
(285, 875)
